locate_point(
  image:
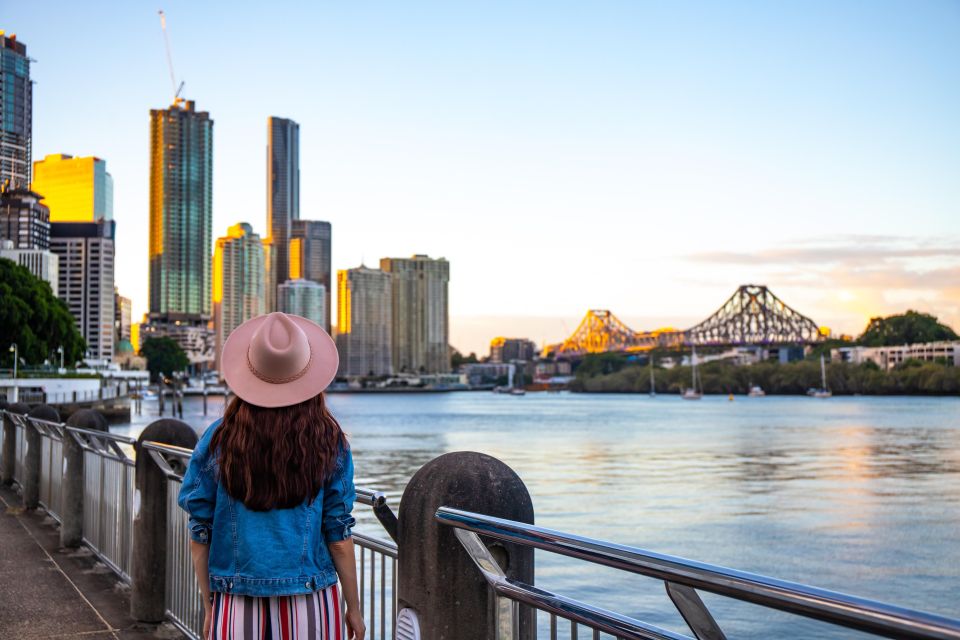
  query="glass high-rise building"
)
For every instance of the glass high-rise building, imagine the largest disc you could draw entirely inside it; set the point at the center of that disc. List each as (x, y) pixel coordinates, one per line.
(237, 281)
(181, 210)
(420, 322)
(304, 298)
(74, 189)
(309, 251)
(283, 200)
(16, 113)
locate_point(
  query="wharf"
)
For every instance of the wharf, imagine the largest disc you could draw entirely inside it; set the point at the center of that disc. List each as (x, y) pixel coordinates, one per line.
(50, 592)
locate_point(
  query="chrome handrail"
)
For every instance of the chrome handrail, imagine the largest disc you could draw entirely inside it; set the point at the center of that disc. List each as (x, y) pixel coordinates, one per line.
(105, 435)
(820, 604)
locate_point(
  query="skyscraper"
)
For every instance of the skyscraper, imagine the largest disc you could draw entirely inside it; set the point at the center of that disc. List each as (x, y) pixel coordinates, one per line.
(123, 317)
(283, 199)
(303, 298)
(74, 189)
(16, 113)
(181, 189)
(237, 281)
(24, 220)
(40, 262)
(363, 322)
(86, 255)
(181, 211)
(310, 256)
(420, 316)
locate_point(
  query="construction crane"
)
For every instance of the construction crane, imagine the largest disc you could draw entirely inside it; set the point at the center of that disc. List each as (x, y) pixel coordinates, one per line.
(173, 80)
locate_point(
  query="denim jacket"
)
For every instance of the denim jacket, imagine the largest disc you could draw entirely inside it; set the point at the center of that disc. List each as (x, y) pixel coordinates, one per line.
(266, 553)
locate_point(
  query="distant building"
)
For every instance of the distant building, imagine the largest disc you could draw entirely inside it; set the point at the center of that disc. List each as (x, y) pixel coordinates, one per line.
(40, 262)
(888, 358)
(194, 334)
(123, 317)
(309, 252)
(303, 298)
(486, 373)
(24, 220)
(510, 349)
(16, 114)
(420, 315)
(283, 200)
(364, 316)
(74, 189)
(181, 210)
(181, 217)
(237, 281)
(86, 256)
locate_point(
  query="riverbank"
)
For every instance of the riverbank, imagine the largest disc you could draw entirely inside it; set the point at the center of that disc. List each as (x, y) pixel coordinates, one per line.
(795, 378)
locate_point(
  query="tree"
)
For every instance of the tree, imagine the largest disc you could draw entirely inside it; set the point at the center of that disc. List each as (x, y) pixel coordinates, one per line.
(457, 359)
(34, 318)
(911, 327)
(164, 356)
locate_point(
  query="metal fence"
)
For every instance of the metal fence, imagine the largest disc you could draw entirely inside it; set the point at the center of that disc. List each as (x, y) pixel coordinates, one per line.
(376, 559)
(682, 579)
(108, 520)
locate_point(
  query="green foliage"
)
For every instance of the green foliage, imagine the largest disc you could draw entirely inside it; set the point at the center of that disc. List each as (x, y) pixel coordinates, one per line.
(457, 359)
(35, 319)
(164, 356)
(600, 363)
(909, 328)
(913, 377)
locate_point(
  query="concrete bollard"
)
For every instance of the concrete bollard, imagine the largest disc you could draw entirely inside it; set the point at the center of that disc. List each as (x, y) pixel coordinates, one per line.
(71, 488)
(437, 579)
(32, 456)
(148, 573)
(8, 461)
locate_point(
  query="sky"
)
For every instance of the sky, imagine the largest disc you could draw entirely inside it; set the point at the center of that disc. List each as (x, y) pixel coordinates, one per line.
(642, 157)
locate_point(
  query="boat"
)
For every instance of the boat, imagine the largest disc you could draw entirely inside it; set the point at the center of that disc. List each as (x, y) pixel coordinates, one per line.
(653, 384)
(696, 391)
(756, 392)
(517, 391)
(823, 391)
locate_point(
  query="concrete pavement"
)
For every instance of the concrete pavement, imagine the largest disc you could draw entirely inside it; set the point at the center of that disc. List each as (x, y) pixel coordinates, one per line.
(49, 592)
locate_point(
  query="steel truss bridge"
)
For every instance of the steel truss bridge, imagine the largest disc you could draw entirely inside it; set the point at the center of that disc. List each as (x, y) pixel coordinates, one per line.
(752, 316)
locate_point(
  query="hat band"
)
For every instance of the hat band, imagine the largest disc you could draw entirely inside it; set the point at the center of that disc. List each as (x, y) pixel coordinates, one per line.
(271, 380)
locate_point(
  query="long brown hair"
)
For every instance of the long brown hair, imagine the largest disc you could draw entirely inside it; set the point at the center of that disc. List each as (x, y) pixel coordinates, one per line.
(273, 458)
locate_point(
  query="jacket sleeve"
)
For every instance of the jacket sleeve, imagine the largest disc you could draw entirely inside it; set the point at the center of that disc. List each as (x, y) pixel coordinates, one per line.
(198, 492)
(338, 498)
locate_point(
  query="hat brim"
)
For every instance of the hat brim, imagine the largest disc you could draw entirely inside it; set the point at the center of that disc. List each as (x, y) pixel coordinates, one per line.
(242, 381)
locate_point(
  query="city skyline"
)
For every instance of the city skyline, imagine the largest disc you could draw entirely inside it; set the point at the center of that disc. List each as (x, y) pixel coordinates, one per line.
(670, 155)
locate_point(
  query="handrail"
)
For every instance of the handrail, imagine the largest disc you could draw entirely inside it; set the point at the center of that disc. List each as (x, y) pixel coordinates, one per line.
(820, 604)
(106, 435)
(169, 449)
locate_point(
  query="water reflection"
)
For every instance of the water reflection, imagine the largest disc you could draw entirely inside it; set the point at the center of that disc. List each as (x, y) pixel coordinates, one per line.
(852, 494)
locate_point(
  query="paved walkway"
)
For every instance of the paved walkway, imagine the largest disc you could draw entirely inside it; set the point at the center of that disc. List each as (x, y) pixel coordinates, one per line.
(49, 592)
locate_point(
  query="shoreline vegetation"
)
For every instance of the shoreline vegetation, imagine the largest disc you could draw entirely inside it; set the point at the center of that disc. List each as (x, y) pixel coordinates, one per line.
(911, 378)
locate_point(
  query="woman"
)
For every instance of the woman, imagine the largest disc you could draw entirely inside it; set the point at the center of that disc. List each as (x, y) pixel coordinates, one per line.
(269, 491)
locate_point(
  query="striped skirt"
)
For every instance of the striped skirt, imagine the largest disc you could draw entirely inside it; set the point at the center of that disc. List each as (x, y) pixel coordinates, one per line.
(314, 616)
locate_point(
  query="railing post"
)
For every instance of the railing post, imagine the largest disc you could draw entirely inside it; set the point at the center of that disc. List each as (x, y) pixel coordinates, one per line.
(31, 459)
(148, 572)
(438, 579)
(71, 489)
(8, 461)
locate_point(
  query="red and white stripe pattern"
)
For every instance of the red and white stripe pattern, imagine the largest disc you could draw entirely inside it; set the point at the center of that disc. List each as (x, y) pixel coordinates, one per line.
(314, 616)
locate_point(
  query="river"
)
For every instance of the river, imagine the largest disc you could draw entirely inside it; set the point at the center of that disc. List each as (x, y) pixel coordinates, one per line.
(854, 494)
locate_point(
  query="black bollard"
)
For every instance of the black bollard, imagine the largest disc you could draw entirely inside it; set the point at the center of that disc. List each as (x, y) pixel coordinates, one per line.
(71, 487)
(8, 461)
(437, 578)
(148, 572)
(32, 455)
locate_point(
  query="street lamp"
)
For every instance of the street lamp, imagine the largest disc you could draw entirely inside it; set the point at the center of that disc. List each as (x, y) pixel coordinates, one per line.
(15, 350)
(60, 351)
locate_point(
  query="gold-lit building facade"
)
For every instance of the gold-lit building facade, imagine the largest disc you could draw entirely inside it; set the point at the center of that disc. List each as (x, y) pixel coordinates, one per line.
(364, 322)
(238, 281)
(74, 189)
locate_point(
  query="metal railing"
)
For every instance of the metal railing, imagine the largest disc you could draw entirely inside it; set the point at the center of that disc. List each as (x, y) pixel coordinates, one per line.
(682, 578)
(376, 559)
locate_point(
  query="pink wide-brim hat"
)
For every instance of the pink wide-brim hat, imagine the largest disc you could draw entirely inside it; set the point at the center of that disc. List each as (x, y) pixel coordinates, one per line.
(278, 360)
